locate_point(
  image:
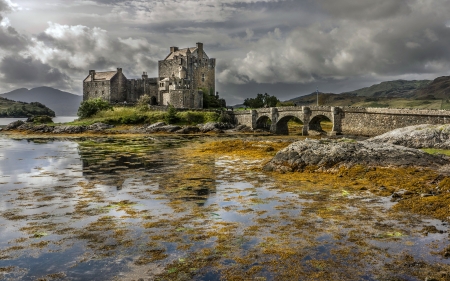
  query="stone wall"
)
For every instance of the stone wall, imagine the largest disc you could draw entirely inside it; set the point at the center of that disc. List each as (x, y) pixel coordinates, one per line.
(93, 90)
(376, 121)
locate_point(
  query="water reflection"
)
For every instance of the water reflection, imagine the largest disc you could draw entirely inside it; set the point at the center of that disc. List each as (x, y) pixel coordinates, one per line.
(122, 209)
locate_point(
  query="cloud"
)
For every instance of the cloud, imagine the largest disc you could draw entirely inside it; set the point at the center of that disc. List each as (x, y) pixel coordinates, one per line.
(412, 40)
(29, 71)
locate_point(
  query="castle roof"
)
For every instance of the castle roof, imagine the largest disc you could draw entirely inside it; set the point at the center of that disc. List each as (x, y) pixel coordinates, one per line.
(102, 76)
(180, 52)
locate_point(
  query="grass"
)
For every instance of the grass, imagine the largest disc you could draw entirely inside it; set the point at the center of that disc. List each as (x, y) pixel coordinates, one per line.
(434, 151)
(131, 115)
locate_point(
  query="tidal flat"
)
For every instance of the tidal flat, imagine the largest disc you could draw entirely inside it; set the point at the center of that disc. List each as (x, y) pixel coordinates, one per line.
(201, 208)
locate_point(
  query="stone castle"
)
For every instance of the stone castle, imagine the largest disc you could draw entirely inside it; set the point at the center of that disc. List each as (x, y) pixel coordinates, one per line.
(183, 76)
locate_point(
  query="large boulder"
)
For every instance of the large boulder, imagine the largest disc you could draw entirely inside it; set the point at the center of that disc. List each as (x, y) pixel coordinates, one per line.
(14, 125)
(419, 136)
(329, 155)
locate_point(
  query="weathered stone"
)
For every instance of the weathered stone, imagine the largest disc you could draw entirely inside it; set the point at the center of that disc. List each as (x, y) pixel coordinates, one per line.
(14, 125)
(326, 155)
(99, 126)
(164, 129)
(156, 125)
(188, 130)
(420, 136)
(213, 126)
(69, 129)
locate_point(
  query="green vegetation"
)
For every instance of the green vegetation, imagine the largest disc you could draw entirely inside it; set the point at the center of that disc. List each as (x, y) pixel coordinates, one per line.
(261, 100)
(210, 100)
(90, 107)
(10, 108)
(434, 151)
(133, 115)
(171, 115)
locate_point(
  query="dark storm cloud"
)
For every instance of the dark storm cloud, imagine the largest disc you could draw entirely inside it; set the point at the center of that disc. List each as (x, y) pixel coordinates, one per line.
(11, 40)
(4, 7)
(19, 70)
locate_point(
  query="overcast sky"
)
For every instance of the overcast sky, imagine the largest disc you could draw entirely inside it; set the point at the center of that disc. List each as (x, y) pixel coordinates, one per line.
(282, 47)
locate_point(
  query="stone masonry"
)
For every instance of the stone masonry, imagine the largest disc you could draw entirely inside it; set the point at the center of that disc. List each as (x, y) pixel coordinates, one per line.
(345, 120)
(183, 76)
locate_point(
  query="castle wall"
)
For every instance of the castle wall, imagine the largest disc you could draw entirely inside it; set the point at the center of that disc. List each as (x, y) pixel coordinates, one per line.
(204, 75)
(96, 89)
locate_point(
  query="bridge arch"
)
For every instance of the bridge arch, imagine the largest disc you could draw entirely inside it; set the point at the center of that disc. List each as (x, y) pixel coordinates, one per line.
(315, 123)
(282, 126)
(264, 122)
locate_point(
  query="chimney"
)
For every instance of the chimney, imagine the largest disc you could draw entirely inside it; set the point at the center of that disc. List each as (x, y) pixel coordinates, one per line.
(173, 49)
(119, 70)
(92, 74)
(200, 50)
(144, 75)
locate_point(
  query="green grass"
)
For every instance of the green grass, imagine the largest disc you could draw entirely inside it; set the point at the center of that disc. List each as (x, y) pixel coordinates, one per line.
(434, 151)
(131, 115)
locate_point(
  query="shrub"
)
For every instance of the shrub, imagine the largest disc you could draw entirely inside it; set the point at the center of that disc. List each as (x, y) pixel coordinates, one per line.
(143, 102)
(171, 115)
(92, 106)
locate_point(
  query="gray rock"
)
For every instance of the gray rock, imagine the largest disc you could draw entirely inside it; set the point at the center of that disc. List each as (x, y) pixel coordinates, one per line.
(69, 129)
(14, 125)
(189, 130)
(420, 136)
(156, 125)
(212, 126)
(164, 129)
(99, 126)
(243, 129)
(325, 155)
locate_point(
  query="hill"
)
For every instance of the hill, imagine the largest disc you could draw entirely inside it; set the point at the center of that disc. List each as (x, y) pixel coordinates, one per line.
(424, 94)
(397, 88)
(63, 103)
(10, 108)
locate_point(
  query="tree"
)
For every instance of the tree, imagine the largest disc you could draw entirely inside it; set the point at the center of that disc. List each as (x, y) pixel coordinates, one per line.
(143, 102)
(261, 100)
(171, 115)
(90, 107)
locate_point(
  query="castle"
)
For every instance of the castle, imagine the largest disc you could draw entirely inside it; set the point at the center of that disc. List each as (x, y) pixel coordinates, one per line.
(183, 76)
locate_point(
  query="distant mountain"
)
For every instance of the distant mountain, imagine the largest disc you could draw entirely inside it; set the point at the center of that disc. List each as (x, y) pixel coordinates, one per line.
(397, 88)
(438, 89)
(62, 103)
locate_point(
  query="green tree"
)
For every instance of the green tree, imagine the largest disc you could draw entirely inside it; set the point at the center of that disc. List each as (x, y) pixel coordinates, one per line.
(171, 115)
(90, 107)
(143, 102)
(261, 100)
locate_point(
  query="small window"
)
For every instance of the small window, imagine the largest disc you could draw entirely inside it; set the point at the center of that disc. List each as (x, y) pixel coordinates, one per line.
(103, 93)
(203, 77)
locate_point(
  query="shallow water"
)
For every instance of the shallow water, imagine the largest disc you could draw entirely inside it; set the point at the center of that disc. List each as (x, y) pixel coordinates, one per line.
(123, 209)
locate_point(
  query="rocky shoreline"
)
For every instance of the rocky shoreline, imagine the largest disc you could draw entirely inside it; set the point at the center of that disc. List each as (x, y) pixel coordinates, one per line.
(102, 128)
(330, 155)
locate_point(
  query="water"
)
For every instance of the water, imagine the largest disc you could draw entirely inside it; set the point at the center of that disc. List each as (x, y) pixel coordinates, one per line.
(57, 119)
(124, 209)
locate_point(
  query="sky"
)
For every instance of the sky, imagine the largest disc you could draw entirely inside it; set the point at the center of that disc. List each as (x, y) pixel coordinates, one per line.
(286, 48)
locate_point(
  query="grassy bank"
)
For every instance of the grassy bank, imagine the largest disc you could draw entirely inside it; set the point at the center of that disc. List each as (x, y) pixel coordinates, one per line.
(131, 115)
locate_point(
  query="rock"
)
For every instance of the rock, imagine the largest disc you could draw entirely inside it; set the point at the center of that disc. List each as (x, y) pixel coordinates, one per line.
(156, 125)
(188, 130)
(332, 154)
(99, 126)
(69, 129)
(243, 129)
(213, 126)
(419, 136)
(40, 119)
(164, 129)
(14, 125)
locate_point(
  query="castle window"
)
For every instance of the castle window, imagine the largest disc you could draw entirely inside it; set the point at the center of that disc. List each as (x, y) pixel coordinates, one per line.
(103, 93)
(203, 77)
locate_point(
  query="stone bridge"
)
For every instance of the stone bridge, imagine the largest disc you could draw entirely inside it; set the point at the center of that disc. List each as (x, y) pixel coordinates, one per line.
(345, 120)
